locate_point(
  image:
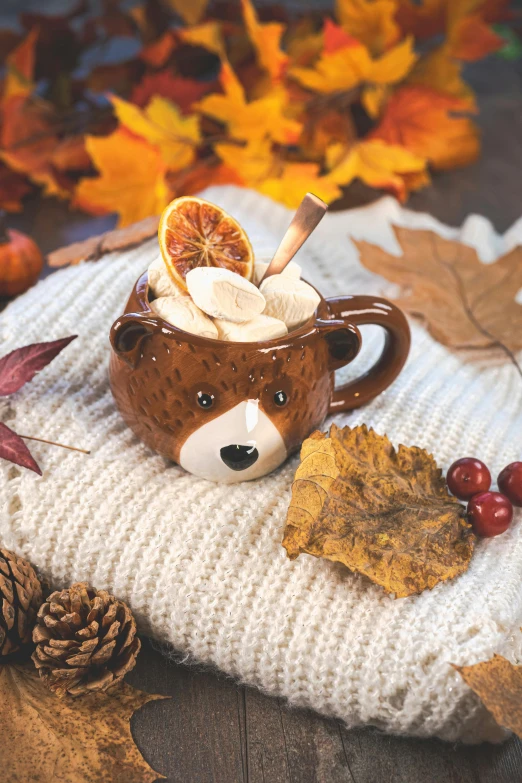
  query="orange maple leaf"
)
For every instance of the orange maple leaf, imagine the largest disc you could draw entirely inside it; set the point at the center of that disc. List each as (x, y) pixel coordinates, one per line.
(29, 146)
(336, 38)
(158, 52)
(19, 69)
(464, 21)
(423, 20)
(162, 124)
(372, 22)
(201, 176)
(419, 119)
(442, 72)
(266, 39)
(131, 178)
(379, 164)
(472, 39)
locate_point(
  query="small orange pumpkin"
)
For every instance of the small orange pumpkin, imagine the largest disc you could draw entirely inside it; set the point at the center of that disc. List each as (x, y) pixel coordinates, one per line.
(20, 261)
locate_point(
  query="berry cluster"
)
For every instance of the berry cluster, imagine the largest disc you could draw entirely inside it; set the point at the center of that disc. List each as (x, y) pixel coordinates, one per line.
(490, 513)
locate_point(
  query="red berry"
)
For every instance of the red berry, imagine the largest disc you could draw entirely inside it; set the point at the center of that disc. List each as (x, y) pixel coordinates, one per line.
(467, 476)
(510, 482)
(490, 513)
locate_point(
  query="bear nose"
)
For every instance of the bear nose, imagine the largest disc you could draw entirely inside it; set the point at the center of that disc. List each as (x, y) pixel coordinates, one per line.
(239, 457)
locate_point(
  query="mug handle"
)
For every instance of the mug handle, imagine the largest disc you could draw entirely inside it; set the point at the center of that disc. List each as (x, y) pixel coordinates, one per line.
(358, 311)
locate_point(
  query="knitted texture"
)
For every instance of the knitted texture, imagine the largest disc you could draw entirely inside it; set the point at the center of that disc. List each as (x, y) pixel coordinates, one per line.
(202, 565)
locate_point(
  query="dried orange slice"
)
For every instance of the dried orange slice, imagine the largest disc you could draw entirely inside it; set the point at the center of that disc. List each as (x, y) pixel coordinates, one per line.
(193, 232)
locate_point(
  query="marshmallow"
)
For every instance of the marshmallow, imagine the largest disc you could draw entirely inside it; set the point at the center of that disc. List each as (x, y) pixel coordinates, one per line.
(181, 311)
(289, 300)
(160, 282)
(224, 294)
(291, 270)
(262, 327)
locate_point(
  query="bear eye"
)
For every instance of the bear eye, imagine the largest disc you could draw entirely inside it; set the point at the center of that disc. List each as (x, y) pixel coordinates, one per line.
(205, 400)
(280, 398)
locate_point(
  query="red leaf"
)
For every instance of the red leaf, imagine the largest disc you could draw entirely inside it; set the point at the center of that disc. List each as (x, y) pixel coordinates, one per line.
(13, 448)
(336, 38)
(21, 365)
(183, 92)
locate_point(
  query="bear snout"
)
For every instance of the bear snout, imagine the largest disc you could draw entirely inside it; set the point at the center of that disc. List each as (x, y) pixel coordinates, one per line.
(238, 457)
(242, 443)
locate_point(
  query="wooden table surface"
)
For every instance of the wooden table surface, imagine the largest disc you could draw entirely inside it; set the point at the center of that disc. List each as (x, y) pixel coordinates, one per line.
(214, 730)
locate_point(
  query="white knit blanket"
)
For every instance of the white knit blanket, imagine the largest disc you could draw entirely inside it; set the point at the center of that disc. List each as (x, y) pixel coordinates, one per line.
(202, 564)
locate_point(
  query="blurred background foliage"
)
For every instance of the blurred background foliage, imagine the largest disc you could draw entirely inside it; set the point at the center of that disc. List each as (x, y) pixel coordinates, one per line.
(118, 107)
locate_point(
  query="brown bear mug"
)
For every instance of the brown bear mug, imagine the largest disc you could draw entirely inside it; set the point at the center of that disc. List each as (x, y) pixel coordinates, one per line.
(230, 411)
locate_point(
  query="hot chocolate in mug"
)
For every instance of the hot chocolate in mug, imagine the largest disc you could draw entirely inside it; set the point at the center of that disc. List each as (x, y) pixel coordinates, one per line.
(231, 411)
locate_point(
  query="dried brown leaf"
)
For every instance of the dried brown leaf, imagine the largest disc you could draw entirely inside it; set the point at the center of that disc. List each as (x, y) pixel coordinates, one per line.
(498, 684)
(383, 513)
(47, 739)
(464, 302)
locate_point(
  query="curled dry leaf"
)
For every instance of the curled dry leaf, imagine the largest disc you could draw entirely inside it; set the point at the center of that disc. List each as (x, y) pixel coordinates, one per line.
(465, 303)
(498, 684)
(383, 513)
(46, 739)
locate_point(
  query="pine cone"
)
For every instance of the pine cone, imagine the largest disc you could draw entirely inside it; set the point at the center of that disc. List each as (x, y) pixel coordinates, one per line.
(20, 597)
(85, 641)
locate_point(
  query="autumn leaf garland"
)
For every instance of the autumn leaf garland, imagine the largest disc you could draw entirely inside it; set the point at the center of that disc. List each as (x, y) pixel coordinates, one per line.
(268, 102)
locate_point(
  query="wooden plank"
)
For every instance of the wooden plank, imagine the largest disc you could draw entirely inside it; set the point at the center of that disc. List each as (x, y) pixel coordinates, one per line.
(194, 736)
(286, 745)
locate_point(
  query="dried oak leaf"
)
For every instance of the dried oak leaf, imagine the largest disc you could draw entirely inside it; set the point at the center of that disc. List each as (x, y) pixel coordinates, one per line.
(47, 739)
(498, 684)
(383, 513)
(465, 303)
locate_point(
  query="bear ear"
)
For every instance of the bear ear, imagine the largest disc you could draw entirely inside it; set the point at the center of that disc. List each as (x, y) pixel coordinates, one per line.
(127, 335)
(343, 345)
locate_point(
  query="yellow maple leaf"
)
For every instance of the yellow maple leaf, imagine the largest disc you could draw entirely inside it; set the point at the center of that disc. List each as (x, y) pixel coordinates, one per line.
(374, 97)
(131, 178)
(370, 21)
(249, 120)
(296, 179)
(253, 162)
(303, 43)
(378, 164)
(266, 39)
(190, 11)
(162, 124)
(18, 80)
(261, 169)
(207, 35)
(349, 66)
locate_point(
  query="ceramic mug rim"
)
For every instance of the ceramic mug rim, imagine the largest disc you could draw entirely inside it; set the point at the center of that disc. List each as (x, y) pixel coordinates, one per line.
(141, 292)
